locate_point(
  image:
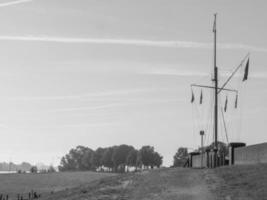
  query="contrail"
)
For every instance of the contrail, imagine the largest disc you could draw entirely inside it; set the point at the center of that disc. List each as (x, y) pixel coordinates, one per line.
(136, 42)
(133, 42)
(11, 3)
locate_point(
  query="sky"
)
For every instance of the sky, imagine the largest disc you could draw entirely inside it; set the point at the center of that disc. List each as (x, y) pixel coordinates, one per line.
(109, 72)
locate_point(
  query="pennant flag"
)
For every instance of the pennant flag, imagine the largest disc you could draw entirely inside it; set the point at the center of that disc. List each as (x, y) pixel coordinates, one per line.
(246, 71)
(236, 100)
(201, 98)
(225, 105)
(193, 97)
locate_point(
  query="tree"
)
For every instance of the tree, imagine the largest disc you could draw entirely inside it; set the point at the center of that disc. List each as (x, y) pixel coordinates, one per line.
(132, 157)
(80, 156)
(180, 157)
(67, 163)
(77, 159)
(34, 169)
(51, 169)
(114, 158)
(120, 155)
(222, 148)
(146, 155)
(96, 159)
(157, 160)
(86, 162)
(107, 158)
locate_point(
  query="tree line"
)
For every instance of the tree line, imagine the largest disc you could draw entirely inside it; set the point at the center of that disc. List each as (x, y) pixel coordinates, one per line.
(112, 159)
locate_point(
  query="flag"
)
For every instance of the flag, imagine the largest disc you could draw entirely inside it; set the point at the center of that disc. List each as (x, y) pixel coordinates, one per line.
(246, 71)
(201, 98)
(193, 97)
(236, 100)
(225, 105)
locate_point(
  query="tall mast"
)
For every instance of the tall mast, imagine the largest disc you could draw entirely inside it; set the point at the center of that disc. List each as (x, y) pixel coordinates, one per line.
(216, 87)
(217, 90)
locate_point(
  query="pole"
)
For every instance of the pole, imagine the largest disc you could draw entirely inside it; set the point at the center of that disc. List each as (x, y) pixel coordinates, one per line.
(202, 147)
(215, 93)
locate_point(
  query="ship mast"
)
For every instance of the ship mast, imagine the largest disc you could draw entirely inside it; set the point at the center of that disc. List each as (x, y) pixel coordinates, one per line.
(215, 79)
(218, 89)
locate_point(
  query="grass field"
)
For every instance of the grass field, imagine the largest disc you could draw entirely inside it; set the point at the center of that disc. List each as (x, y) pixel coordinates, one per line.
(224, 183)
(157, 184)
(243, 182)
(13, 184)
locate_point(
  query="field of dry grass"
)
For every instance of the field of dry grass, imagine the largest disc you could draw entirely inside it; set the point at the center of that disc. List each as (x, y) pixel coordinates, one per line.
(14, 184)
(173, 184)
(224, 183)
(248, 182)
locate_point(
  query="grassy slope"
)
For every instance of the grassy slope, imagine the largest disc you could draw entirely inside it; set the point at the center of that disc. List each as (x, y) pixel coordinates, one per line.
(164, 184)
(248, 182)
(13, 184)
(225, 183)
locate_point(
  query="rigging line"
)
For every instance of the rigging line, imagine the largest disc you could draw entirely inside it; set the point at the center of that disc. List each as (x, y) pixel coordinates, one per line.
(213, 138)
(221, 121)
(220, 135)
(195, 115)
(198, 116)
(197, 125)
(204, 118)
(194, 119)
(239, 110)
(221, 129)
(194, 123)
(211, 125)
(224, 124)
(209, 129)
(212, 117)
(209, 118)
(244, 91)
(237, 68)
(206, 122)
(201, 123)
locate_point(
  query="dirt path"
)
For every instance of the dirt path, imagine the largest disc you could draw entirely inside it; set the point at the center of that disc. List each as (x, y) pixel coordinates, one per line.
(184, 184)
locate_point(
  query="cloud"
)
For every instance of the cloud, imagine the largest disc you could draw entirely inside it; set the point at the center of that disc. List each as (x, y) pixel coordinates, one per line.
(11, 3)
(116, 105)
(89, 124)
(86, 108)
(132, 42)
(91, 96)
(175, 72)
